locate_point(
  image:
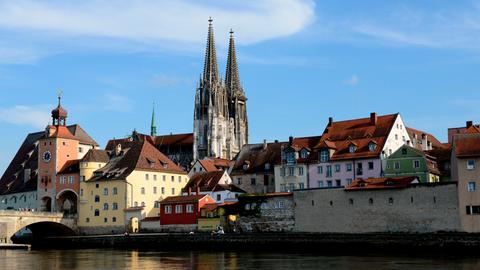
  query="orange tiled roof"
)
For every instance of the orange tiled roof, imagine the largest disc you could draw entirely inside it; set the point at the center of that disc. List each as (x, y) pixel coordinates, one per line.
(467, 145)
(381, 183)
(184, 199)
(435, 142)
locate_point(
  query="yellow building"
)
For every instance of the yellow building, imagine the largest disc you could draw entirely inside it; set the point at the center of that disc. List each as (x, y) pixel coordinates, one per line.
(125, 184)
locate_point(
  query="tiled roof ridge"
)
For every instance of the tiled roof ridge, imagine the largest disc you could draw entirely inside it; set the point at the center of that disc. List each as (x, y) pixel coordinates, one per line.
(365, 118)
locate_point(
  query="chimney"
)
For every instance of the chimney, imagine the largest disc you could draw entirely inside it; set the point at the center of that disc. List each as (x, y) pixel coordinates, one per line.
(264, 144)
(408, 142)
(373, 119)
(330, 121)
(189, 191)
(424, 141)
(429, 145)
(290, 140)
(198, 190)
(276, 141)
(469, 124)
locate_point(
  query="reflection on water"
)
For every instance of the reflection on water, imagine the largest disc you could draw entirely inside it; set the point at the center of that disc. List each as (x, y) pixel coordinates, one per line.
(124, 259)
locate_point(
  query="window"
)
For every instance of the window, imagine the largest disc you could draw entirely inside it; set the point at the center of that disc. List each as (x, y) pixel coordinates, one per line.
(115, 191)
(349, 167)
(471, 186)
(135, 204)
(290, 157)
(370, 201)
(390, 201)
(83, 178)
(189, 208)
(173, 178)
(179, 179)
(300, 170)
(253, 181)
(282, 171)
(324, 155)
(114, 219)
(97, 212)
(303, 154)
(105, 206)
(71, 179)
(329, 170)
(370, 165)
(156, 204)
(291, 186)
(350, 201)
(219, 197)
(143, 204)
(396, 165)
(281, 204)
(337, 168)
(142, 191)
(470, 164)
(105, 220)
(178, 208)
(114, 206)
(146, 176)
(267, 166)
(154, 177)
(163, 177)
(301, 185)
(352, 148)
(283, 188)
(173, 191)
(168, 209)
(87, 220)
(154, 190)
(329, 183)
(320, 183)
(81, 192)
(338, 183)
(371, 147)
(319, 169)
(389, 151)
(163, 190)
(360, 168)
(239, 181)
(97, 198)
(105, 191)
(416, 164)
(473, 209)
(291, 171)
(96, 186)
(396, 136)
(62, 179)
(349, 181)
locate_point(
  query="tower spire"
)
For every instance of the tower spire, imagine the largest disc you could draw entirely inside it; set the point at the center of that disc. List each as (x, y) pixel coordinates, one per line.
(232, 78)
(210, 69)
(153, 126)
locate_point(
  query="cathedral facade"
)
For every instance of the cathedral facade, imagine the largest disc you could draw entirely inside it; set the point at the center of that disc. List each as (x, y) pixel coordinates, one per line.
(220, 126)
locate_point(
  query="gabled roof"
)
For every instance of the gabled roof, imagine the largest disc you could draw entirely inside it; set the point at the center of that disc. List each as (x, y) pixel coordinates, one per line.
(185, 139)
(185, 199)
(71, 166)
(81, 135)
(382, 183)
(208, 181)
(435, 142)
(215, 164)
(135, 155)
(466, 145)
(256, 156)
(359, 132)
(60, 132)
(96, 155)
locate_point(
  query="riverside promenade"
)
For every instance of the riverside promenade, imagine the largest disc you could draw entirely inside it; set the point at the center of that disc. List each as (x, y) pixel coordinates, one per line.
(305, 242)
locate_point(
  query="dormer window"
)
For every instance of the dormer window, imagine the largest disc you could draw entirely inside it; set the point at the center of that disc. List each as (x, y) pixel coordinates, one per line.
(246, 166)
(372, 146)
(290, 157)
(267, 166)
(352, 148)
(303, 153)
(324, 155)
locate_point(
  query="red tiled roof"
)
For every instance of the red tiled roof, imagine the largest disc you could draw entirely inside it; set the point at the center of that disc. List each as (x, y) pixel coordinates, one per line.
(359, 132)
(183, 139)
(215, 164)
(210, 206)
(205, 181)
(184, 199)
(381, 183)
(467, 145)
(435, 142)
(96, 155)
(61, 132)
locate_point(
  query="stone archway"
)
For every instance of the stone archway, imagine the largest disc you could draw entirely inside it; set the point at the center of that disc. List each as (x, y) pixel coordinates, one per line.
(46, 204)
(67, 202)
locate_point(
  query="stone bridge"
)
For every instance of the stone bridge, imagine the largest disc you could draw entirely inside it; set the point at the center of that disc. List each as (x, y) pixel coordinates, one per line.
(40, 223)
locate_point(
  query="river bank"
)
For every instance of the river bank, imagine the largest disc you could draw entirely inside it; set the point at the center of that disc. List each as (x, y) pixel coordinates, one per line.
(357, 243)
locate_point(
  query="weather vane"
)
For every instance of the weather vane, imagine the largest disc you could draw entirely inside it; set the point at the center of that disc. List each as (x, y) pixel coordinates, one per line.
(59, 95)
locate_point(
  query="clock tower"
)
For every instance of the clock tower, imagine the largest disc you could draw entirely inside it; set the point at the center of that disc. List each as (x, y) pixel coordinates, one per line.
(55, 149)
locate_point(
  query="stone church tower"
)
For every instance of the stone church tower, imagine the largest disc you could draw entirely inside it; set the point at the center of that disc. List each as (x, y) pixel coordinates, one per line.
(220, 126)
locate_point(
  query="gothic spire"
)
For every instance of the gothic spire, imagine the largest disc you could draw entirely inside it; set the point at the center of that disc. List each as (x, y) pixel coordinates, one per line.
(232, 78)
(153, 126)
(210, 69)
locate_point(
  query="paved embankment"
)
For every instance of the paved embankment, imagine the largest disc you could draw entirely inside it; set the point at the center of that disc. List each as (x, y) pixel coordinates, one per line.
(352, 243)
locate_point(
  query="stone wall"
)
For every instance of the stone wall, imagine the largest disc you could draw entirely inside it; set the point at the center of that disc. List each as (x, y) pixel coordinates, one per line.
(271, 214)
(179, 228)
(97, 230)
(420, 208)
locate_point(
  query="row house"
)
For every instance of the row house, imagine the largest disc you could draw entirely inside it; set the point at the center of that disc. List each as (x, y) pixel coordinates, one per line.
(122, 185)
(355, 149)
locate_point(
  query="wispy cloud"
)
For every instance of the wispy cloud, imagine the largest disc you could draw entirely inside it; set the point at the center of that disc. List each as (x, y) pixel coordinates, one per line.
(33, 116)
(161, 24)
(161, 80)
(353, 80)
(118, 103)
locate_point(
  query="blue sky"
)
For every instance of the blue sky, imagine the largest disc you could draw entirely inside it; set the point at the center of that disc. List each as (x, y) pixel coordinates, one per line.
(300, 62)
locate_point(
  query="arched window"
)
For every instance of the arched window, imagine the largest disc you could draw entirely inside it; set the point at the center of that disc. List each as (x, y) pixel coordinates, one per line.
(105, 191)
(142, 190)
(115, 191)
(97, 212)
(14, 199)
(114, 206)
(97, 198)
(105, 206)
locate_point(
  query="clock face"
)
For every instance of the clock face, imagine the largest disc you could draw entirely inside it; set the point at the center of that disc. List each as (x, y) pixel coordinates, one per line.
(47, 156)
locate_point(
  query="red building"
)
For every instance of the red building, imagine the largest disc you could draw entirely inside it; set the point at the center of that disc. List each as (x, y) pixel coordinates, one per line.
(182, 210)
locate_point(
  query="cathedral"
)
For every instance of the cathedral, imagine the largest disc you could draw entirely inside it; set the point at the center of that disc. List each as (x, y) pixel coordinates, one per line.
(220, 126)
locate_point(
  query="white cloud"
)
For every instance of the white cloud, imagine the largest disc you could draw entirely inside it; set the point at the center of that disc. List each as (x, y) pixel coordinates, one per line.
(148, 20)
(163, 80)
(353, 80)
(25, 115)
(118, 103)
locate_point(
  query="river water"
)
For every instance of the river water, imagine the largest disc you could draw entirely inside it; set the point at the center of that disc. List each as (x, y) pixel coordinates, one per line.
(128, 259)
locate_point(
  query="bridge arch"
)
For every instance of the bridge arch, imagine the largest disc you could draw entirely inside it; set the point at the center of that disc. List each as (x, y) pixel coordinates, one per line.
(67, 201)
(39, 230)
(46, 204)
